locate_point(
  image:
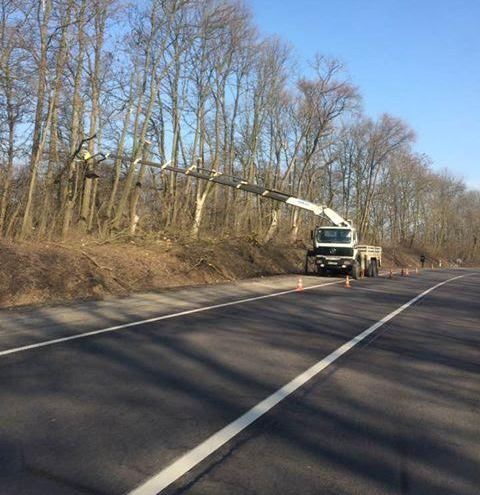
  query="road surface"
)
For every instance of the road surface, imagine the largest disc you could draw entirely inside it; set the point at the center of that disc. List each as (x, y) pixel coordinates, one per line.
(249, 388)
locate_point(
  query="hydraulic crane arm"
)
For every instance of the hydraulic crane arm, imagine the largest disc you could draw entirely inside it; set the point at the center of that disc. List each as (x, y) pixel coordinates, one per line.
(238, 183)
(319, 210)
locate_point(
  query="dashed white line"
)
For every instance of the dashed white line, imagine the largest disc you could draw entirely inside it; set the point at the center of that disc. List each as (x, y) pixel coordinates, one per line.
(60, 340)
(177, 469)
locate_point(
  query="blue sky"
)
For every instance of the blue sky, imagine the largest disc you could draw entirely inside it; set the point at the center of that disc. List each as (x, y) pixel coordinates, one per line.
(418, 60)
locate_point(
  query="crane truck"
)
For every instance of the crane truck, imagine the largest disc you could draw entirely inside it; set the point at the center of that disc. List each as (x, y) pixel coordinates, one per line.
(335, 248)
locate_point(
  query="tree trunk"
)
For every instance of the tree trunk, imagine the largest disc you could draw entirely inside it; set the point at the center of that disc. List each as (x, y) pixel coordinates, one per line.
(38, 133)
(200, 208)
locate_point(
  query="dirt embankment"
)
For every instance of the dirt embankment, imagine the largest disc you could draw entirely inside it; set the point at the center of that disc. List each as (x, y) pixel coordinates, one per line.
(47, 273)
(50, 273)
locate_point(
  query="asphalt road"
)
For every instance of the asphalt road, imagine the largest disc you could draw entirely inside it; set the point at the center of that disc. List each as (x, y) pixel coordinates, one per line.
(396, 414)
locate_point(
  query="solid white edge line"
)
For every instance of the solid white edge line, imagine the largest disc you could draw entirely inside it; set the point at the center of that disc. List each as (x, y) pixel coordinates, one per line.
(59, 340)
(189, 460)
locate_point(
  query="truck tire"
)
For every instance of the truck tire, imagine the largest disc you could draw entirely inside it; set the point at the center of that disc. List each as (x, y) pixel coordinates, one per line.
(356, 271)
(321, 272)
(308, 264)
(370, 272)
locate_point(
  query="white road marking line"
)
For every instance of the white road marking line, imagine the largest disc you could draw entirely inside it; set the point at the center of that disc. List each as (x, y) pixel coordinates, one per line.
(59, 340)
(178, 468)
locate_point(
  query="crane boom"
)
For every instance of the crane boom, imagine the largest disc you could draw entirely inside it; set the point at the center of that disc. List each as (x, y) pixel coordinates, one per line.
(334, 248)
(241, 184)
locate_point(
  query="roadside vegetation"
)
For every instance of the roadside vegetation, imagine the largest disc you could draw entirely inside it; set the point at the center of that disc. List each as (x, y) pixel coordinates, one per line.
(194, 82)
(50, 272)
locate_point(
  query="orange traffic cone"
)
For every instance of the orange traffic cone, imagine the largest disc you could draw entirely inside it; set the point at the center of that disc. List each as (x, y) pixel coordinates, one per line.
(347, 282)
(300, 284)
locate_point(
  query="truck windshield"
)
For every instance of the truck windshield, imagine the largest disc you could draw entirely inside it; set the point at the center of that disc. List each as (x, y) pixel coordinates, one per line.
(334, 236)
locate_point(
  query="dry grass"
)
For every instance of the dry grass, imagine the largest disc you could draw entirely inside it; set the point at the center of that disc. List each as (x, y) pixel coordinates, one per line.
(47, 273)
(51, 273)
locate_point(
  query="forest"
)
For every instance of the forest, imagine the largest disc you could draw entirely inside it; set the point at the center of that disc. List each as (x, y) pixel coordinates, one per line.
(195, 82)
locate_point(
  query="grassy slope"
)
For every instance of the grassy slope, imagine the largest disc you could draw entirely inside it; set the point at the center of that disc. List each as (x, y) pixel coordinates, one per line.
(49, 273)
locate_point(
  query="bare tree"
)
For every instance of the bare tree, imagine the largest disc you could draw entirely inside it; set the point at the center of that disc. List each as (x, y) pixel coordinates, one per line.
(194, 83)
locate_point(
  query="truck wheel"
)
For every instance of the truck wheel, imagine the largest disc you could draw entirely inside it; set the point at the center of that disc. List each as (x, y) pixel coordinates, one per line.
(307, 264)
(321, 272)
(370, 272)
(356, 271)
